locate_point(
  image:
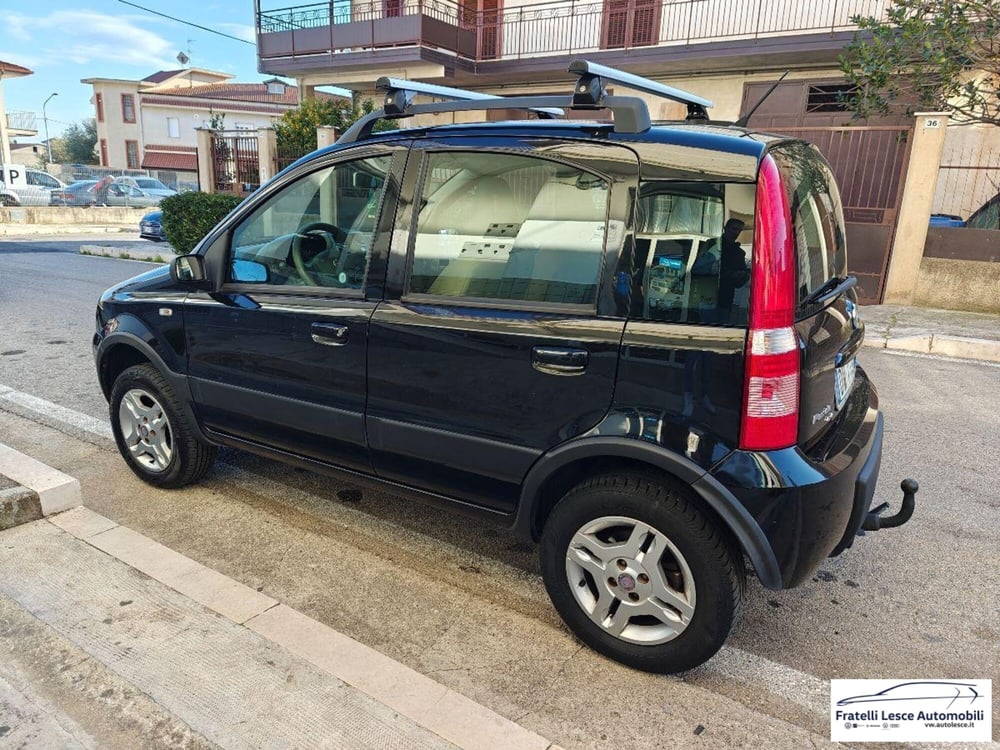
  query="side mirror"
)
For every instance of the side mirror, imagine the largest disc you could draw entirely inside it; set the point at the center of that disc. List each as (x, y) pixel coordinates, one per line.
(250, 272)
(190, 270)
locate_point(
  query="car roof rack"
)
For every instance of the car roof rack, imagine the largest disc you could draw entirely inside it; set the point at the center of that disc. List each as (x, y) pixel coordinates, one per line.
(590, 88)
(630, 113)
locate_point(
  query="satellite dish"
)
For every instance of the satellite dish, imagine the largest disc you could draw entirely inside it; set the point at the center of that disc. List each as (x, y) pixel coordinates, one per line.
(182, 58)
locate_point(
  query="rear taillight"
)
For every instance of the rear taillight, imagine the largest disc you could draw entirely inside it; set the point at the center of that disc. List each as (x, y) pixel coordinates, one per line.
(771, 390)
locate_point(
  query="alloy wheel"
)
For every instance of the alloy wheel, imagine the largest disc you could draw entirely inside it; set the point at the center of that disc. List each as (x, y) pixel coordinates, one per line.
(631, 580)
(145, 430)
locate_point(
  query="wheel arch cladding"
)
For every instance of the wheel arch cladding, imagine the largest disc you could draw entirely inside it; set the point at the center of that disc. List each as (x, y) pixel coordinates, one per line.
(562, 468)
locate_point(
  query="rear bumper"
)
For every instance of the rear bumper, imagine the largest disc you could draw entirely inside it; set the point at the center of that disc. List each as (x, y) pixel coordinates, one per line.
(810, 504)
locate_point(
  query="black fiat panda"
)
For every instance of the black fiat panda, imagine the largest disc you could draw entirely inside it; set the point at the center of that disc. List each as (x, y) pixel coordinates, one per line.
(634, 343)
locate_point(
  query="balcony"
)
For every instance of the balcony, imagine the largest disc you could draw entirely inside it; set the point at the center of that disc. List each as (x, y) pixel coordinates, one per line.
(22, 123)
(335, 35)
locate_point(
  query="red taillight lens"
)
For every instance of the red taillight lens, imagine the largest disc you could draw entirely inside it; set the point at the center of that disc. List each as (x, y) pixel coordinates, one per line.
(771, 391)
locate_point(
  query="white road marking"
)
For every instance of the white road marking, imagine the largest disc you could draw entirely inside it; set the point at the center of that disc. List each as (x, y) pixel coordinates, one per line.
(74, 418)
(734, 664)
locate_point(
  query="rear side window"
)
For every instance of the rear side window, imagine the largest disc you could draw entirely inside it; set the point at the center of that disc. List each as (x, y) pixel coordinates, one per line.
(509, 228)
(817, 216)
(693, 246)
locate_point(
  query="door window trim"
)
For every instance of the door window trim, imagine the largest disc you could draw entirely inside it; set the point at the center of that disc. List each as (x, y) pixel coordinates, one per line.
(493, 303)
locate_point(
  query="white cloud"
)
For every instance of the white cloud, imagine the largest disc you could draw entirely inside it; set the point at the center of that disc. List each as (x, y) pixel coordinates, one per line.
(91, 36)
(17, 27)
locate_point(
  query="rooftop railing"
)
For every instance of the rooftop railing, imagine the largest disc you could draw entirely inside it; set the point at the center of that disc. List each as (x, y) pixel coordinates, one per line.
(22, 121)
(546, 28)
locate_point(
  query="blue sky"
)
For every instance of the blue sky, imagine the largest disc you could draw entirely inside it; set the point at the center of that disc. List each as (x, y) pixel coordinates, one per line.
(64, 41)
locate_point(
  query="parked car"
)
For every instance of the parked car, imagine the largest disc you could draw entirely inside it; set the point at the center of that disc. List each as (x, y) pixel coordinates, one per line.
(86, 193)
(24, 186)
(538, 344)
(147, 186)
(151, 228)
(987, 216)
(946, 220)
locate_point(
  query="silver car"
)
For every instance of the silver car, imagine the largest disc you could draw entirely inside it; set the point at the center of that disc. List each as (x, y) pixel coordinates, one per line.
(148, 185)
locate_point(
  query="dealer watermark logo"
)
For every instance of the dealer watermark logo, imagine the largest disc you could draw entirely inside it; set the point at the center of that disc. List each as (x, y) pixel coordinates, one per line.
(911, 710)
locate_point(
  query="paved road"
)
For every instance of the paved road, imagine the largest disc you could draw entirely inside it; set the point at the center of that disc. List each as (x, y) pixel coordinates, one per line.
(461, 600)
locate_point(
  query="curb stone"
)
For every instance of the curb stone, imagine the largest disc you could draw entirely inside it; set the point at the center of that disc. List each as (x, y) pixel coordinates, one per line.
(54, 490)
(17, 504)
(948, 346)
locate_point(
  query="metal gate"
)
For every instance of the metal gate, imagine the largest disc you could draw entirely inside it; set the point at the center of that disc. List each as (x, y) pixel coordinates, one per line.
(870, 166)
(869, 163)
(235, 162)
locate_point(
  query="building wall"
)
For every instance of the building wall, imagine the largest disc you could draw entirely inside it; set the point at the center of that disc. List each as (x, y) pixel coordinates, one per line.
(724, 91)
(970, 171)
(155, 126)
(114, 129)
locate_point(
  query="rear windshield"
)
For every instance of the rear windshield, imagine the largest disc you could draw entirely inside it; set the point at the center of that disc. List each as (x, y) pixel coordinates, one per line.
(693, 250)
(817, 216)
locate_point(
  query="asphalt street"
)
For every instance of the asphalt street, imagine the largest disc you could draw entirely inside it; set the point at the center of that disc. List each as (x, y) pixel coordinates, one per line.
(462, 601)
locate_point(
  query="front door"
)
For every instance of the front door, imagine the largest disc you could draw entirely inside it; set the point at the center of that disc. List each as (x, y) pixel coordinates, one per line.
(278, 355)
(499, 335)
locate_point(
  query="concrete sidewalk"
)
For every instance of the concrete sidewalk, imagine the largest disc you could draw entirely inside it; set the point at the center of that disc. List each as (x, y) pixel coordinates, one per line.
(166, 647)
(229, 665)
(949, 333)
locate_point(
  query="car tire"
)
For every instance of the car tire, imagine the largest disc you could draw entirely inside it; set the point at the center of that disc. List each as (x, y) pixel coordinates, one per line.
(154, 433)
(641, 573)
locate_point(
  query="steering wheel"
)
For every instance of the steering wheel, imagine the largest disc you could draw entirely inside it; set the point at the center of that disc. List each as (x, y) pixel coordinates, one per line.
(338, 234)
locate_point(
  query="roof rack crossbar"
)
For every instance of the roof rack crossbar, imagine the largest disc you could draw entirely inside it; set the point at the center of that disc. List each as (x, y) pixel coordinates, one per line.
(590, 87)
(400, 92)
(630, 113)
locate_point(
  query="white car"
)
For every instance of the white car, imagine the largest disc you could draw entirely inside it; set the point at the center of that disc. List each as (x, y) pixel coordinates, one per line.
(23, 186)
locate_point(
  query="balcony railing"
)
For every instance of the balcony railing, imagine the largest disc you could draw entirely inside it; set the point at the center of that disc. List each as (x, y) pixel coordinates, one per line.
(22, 121)
(556, 27)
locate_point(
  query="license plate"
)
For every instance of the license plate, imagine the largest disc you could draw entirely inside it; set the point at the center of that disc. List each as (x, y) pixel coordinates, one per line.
(843, 380)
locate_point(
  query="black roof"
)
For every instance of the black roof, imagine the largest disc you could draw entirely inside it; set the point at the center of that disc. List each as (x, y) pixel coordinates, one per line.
(691, 150)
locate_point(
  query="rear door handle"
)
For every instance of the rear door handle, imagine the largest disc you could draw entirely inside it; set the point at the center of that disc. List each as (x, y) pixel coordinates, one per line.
(329, 334)
(557, 360)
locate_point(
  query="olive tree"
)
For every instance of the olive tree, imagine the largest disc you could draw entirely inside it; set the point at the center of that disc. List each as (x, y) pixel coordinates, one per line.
(927, 54)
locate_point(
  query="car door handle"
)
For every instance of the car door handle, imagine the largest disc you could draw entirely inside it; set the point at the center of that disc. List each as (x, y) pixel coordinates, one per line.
(329, 334)
(557, 360)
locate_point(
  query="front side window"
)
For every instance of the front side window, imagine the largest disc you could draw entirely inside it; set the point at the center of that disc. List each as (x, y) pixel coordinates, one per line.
(508, 228)
(693, 250)
(317, 231)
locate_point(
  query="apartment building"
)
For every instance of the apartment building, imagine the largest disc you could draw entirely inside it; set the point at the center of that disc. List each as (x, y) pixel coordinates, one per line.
(13, 124)
(729, 51)
(151, 124)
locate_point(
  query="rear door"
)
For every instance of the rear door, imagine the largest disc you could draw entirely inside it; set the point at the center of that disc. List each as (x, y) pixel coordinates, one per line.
(826, 316)
(499, 337)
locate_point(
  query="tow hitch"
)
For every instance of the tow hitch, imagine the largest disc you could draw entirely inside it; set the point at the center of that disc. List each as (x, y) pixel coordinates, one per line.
(874, 521)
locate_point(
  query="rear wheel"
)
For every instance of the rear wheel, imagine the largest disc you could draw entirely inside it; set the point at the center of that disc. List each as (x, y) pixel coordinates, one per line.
(639, 572)
(153, 432)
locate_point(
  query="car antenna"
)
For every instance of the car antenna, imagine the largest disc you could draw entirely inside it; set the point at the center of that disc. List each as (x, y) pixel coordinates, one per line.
(745, 120)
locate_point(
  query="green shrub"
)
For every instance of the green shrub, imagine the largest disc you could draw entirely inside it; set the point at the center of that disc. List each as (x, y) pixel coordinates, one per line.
(187, 217)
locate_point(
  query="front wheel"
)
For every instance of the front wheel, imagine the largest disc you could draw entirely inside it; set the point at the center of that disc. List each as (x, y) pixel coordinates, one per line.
(639, 572)
(154, 433)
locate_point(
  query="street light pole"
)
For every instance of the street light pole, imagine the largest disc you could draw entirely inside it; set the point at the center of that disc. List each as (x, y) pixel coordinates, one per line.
(45, 119)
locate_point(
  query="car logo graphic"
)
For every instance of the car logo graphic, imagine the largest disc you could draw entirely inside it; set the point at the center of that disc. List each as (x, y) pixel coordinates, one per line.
(918, 691)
